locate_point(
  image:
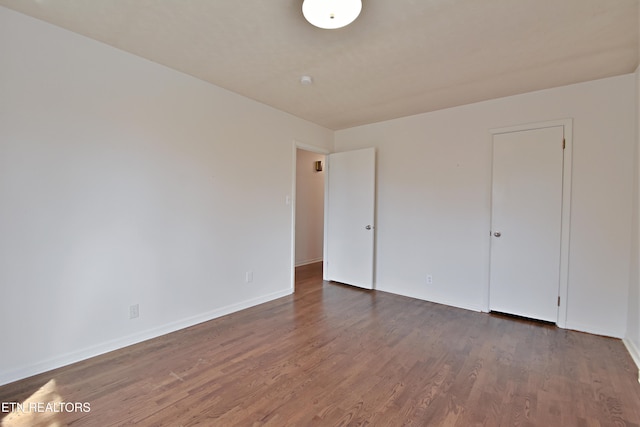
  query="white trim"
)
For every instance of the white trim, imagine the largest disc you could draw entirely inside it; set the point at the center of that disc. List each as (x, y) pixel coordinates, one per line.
(440, 301)
(312, 148)
(565, 239)
(25, 371)
(309, 261)
(294, 168)
(592, 329)
(532, 126)
(325, 237)
(634, 352)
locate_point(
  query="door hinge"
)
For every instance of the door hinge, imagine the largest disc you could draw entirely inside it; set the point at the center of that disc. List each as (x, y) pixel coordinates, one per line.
(564, 143)
(558, 301)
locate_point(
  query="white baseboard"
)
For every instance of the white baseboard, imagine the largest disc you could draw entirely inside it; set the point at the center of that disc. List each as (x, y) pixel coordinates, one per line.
(634, 352)
(22, 372)
(382, 288)
(309, 261)
(593, 329)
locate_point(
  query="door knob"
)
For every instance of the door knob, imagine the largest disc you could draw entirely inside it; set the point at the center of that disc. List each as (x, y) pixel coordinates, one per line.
(497, 234)
(368, 227)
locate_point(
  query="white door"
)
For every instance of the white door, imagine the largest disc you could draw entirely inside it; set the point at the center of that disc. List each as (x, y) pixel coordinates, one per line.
(349, 219)
(526, 222)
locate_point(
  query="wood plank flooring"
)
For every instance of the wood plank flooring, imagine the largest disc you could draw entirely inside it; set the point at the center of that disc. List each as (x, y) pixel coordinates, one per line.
(333, 355)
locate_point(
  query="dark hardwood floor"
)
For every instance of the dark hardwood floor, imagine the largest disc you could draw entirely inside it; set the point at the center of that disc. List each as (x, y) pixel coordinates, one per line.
(336, 355)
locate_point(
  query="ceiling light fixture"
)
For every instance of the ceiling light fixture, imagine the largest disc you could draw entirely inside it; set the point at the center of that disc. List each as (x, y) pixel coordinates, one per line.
(331, 14)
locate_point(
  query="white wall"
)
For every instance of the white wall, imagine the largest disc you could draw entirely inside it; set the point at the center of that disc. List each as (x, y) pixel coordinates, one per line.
(124, 182)
(309, 208)
(433, 198)
(632, 339)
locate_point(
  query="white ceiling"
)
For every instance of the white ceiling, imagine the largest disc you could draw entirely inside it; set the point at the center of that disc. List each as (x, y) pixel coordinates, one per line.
(400, 57)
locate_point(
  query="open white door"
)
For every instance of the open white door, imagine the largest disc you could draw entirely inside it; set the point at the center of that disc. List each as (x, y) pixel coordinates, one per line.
(526, 222)
(349, 218)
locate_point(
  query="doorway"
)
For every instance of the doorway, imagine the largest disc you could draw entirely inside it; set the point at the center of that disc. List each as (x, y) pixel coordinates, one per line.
(310, 172)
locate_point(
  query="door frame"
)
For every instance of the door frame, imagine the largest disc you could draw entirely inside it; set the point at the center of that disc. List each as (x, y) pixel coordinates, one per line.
(563, 291)
(297, 145)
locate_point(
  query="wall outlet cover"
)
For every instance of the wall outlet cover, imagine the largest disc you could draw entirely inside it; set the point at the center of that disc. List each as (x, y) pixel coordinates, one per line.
(134, 311)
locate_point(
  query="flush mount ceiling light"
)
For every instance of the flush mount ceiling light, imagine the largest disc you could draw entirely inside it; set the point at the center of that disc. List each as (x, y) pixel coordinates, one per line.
(331, 14)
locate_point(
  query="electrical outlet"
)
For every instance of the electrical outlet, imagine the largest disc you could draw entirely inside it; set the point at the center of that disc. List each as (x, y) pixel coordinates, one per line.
(248, 278)
(134, 311)
(429, 279)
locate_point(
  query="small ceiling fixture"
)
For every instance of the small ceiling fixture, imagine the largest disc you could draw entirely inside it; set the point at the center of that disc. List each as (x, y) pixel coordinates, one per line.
(306, 80)
(331, 14)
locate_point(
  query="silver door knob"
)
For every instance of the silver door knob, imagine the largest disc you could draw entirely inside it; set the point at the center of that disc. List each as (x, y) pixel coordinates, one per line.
(497, 234)
(368, 227)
